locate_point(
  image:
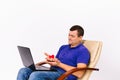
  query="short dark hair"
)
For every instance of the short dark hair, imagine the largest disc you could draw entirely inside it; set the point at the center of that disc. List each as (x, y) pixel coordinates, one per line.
(79, 29)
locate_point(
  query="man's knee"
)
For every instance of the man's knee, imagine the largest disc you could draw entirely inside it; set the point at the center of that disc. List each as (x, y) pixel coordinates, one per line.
(35, 76)
(25, 71)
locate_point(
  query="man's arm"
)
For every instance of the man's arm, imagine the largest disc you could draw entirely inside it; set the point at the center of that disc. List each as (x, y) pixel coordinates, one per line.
(41, 63)
(78, 74)
(56, 62)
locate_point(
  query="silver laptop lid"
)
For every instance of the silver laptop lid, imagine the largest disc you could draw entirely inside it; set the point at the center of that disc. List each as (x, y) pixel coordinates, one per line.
(26, 56)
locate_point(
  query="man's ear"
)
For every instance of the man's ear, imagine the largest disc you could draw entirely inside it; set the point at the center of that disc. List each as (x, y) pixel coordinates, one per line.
(80, 38)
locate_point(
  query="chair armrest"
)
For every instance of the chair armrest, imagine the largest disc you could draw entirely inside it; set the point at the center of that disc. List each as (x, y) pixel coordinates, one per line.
(63, 76)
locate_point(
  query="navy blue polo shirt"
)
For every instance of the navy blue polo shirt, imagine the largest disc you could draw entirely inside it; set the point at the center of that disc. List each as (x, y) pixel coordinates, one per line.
(72, 56)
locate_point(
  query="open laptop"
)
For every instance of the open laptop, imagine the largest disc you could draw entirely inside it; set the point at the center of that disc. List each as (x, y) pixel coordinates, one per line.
(27, 59)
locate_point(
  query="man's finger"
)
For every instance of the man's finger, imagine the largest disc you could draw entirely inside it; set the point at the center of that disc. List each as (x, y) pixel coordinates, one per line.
(46, 54)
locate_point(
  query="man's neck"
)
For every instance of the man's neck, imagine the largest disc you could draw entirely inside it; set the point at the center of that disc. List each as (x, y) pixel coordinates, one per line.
(74, 45)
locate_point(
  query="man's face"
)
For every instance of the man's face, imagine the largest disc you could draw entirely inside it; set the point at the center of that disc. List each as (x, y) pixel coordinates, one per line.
(73, 38)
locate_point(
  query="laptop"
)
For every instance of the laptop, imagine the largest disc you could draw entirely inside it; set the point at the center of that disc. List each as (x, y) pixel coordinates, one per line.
(27, 59)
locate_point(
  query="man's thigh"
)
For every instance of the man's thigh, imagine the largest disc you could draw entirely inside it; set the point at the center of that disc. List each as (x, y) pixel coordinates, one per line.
(44, 75)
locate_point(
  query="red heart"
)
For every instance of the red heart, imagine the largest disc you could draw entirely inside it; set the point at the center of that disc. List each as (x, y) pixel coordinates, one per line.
(51, 56)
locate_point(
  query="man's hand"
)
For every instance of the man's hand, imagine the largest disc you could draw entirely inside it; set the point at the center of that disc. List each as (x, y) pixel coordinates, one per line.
(49, 58)
(52, 60)
(55, 62)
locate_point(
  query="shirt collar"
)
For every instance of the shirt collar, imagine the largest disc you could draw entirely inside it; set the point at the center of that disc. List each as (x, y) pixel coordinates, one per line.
(75, 46)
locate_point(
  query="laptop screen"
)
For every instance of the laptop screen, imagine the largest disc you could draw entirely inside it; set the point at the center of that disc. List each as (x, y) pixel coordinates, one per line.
(26, 56)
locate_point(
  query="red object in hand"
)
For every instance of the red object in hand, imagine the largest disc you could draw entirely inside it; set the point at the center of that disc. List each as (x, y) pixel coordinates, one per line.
(51, 56)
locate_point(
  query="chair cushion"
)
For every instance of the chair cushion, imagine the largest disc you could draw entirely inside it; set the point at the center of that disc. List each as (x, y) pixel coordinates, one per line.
(92, 46)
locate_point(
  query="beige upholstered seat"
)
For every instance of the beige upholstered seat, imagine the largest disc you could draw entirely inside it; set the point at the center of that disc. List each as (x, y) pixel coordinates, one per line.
(94, 48)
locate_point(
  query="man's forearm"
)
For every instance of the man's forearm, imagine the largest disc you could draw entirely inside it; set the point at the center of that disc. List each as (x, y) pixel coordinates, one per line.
(67, 68)
(40, 63)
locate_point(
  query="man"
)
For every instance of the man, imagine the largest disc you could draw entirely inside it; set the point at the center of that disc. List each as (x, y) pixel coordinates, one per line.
(69, 56)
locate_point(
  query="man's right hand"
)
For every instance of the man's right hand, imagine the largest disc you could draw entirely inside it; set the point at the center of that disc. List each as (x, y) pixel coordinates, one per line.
(49, 58)
(52, 60)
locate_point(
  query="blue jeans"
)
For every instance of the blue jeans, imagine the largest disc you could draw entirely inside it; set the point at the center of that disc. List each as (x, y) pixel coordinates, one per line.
(28, 74)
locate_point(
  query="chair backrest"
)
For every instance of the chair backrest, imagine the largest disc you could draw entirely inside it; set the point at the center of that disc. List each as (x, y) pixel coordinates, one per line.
(94, 48)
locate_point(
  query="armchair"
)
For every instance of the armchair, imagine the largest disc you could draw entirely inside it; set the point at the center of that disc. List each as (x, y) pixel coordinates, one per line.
(94, 48)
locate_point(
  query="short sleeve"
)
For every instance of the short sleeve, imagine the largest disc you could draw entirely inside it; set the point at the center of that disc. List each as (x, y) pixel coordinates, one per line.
(83, 57)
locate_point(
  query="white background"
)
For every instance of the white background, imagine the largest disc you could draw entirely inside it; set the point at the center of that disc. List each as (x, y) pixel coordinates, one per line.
(43, 26)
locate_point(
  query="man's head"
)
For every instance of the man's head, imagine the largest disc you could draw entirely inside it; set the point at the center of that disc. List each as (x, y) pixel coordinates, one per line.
(75, 35)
